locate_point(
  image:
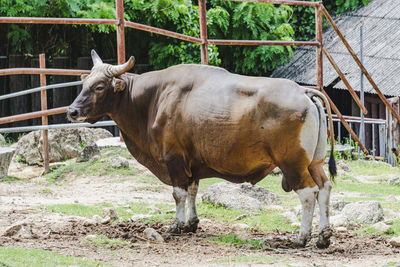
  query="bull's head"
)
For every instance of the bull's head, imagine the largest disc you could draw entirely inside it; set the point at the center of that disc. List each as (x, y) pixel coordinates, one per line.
(98, 90)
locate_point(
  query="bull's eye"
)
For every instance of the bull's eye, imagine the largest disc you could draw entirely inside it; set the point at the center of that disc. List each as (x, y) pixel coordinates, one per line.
(99, 88)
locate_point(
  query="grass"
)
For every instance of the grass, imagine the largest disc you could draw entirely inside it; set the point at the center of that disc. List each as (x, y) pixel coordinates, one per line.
(96, 168)
(233, 239)
(371, 168)
(9, 179)
(394, 230)
(124, 213)
(14, 256)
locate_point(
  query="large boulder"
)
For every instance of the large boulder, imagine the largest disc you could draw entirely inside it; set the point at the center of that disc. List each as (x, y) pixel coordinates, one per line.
(240, 196)
(364, 212)
(6, 154)
(63, 144)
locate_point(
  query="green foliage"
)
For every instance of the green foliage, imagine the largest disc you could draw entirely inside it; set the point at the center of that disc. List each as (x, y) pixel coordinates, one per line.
(102, 240)
(234, 239)
(11, 256)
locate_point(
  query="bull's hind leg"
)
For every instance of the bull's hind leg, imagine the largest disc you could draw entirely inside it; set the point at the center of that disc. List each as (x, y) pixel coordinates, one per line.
(325, 186)
(192, 219)
(179, 195)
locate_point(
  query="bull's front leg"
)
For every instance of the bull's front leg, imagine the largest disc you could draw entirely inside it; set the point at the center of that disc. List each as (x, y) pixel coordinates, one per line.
(179, 195)
(192, 219)
(307, 198)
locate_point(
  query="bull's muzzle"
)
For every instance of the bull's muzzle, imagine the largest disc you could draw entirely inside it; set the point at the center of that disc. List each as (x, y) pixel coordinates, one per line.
(73, 114)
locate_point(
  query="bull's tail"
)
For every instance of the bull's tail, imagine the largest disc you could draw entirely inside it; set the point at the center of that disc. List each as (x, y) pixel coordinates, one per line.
(332, 164)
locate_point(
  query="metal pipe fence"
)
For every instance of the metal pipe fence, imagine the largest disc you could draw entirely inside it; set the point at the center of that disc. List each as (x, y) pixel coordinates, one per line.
(203, 41)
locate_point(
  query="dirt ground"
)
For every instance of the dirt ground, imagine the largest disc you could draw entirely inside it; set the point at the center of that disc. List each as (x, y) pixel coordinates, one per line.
(21, 201)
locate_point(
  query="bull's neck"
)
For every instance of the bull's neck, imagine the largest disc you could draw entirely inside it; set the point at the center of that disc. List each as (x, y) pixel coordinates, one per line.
(131, 108)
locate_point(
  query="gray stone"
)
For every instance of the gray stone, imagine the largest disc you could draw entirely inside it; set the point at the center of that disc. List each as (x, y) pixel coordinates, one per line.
(12, 230)
(118, 162)
(110, 212)
(89, 222)
(90, 237)
(364, 212)
(394, 180)
(339, 220)
(152, 234)
(63, 144)
(2, 140)
(97, 218)
(344, 165)
(240, 196)
(110, 142)
(276, 171)
(381, 227)
(88, 153)
(106, 220)
(337, 204)
(140, 217)
(341, 229)
(395, 241)
(6, 154)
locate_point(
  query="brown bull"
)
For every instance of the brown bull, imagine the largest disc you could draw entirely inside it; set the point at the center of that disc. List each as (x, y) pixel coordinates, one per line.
(190, 122)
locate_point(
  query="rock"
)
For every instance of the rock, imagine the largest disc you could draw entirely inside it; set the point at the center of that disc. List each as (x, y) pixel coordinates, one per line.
(238, 218)
(140, 217)
(155, 210)
(381, 227)
(6, 154)
(241, 226)
(337, 204)
(152, 234)
(338, 220)
(97, 218)
(364, 212)
(106, 220)
(2, 140)
(344, 165)
(240, 196)
(110, 212)
(291, 217)
(276, 171)
(63, 144)
(341, 229)
(12, 230)
(110, 142)
(89, 222)
(118, 162)
(395, 241)
(394, 180)
(88, 153)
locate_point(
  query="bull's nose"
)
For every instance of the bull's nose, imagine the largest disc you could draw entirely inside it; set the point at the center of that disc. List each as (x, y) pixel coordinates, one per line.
(72, 113)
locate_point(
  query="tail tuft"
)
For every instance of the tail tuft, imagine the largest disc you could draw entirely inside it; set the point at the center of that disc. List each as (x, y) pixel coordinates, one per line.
(332, 166)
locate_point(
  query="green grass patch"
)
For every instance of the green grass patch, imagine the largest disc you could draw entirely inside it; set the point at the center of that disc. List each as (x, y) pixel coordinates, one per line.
(112, 151)
(9, 179)
(266, 220)
(369, 189)
(151, 188)
(394, 230)
(96, 168)
(13, 256)
(103, 241)
(252, 259)
(371, 168)
(124, 213)
(233, 239)
(46, 191)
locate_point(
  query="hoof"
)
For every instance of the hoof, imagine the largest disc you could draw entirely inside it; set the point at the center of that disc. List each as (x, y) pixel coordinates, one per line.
(324, 238)
(191, 226)
(301, 241)
(176, 228)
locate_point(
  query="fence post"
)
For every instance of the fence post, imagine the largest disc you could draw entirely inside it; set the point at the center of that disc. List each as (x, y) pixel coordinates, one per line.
(318, 38)
(43, 102)
(119, 7)
(203, 32)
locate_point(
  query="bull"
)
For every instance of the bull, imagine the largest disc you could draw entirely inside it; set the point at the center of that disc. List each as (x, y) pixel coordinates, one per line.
(190, 122)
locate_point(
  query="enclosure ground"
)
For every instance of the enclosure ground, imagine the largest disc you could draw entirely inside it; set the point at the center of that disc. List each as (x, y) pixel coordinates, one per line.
(54, 210)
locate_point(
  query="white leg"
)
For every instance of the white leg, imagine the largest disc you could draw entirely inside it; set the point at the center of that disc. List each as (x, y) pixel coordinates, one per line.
(179, 195)
(324, 229)
(192, 220)
(307, 198)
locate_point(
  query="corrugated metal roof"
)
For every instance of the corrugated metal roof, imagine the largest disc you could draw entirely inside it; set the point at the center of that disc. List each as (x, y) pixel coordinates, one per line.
(381, 38)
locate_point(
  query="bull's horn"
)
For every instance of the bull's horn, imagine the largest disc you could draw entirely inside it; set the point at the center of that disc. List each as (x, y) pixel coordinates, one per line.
(95, 58)
(121, 69)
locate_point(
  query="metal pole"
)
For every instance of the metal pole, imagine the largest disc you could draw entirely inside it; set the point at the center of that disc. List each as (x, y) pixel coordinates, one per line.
(318, 38)
(362, 125)
(203, 32)
(45, 121)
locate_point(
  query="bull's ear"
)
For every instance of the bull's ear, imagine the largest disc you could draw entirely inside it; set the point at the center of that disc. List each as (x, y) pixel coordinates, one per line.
(84, 76)
(118, 84)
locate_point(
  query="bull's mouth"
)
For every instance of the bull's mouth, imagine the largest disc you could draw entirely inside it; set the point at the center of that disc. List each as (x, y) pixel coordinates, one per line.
(79, 119)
